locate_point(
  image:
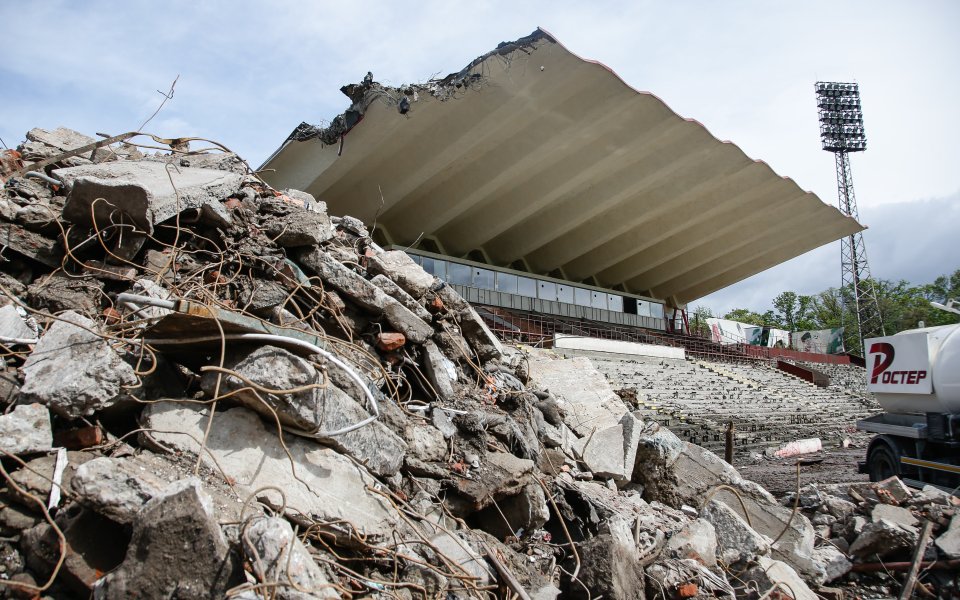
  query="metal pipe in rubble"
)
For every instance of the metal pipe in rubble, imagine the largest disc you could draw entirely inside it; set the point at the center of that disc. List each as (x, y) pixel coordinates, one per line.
(135, 300)
(43, 177)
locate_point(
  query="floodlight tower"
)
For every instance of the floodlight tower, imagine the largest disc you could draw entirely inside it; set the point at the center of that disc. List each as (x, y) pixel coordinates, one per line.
(841, 132)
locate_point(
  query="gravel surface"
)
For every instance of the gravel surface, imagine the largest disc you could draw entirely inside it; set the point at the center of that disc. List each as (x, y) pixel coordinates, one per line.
(779, 476)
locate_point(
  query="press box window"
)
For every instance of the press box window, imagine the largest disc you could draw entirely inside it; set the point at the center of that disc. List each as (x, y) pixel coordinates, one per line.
(507, 283)
(459, 274)
(435, 267)
(615, 303)
(581, 297)
(598, 300)
(527, 287)
(548, 291)
(643, 308)
(483, 279)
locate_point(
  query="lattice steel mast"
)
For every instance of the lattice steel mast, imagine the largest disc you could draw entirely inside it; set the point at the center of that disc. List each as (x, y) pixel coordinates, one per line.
(841, 132)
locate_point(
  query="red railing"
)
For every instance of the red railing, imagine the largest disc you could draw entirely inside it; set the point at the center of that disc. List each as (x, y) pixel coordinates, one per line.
(539, 329)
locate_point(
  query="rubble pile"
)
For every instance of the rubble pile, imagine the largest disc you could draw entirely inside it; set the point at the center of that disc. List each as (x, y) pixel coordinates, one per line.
(867, 532)
(212, 388)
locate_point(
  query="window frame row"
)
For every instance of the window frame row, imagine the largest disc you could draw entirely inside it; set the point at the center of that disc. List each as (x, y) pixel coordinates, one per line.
(456, 273)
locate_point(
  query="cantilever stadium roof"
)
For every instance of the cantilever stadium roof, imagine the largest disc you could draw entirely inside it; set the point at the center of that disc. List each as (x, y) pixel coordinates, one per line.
(532, 153)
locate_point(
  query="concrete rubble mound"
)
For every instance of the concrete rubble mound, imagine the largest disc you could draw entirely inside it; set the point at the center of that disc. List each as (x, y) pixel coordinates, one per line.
(219, 390)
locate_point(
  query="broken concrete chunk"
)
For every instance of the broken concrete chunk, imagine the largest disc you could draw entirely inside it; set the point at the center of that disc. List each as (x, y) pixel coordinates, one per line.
(499, 475)
(426, 442)
(26, 430)
(479, 336)
(61, 138)
(892, 490)
(277, 555)
(737, 542)
(319, 482)
(949, 541)
(441, 421)
(146, 192)
(115, 488)
(833, 562)
(73, 371)
(770, 572)
(633, 427)
(13, 326)
(367, 295)
(677, 472)
(58, 293)
(397, 266)
(696, 540)
(658, 450)
(509, 463)
(464, 558)
(897, 514)
(581, 391)
(397, 293)
(603, 453)
(609, 567)
(37, 480)
(440, 370)
(14, 518)
(32, 245)
(838, 507)
(517, 514)
(313, 411)
(882, 538)
(292, 226)
(177, 551)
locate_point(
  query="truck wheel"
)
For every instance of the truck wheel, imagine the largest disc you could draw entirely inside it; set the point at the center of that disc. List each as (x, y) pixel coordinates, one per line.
(882, 462)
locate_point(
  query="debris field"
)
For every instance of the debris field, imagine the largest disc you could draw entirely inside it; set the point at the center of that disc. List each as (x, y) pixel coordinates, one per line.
(213, 388)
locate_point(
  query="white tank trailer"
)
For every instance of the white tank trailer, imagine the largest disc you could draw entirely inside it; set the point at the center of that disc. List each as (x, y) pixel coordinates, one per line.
(915, 376)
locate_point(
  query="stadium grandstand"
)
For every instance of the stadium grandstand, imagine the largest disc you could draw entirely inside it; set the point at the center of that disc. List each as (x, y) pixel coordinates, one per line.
(558, 199)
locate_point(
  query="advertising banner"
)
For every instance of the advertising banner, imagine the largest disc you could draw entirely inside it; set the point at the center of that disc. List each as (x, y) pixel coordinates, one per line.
(821, 341)
(899, 364)
(723, 331)
(768, 337)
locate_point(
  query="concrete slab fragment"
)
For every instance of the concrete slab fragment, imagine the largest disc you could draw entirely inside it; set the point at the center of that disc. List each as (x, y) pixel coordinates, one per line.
(73, 371)
(324, 484)
(147, 192)
(312, 411)
(26, 430)
(582, 392)
(366, 294)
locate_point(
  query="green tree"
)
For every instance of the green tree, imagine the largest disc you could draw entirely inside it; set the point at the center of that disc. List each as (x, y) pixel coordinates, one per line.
(743, 315)
(902, 306)
(698, 321)
(794, 311)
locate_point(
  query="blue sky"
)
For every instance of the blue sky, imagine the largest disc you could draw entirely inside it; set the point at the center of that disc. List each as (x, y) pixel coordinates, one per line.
(250, 72)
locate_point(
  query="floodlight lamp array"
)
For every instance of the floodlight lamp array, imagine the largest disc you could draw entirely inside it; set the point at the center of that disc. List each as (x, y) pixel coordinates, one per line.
(841, 117)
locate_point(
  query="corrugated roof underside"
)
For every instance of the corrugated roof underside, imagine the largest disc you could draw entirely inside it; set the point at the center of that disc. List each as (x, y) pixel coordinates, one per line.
(554, 160)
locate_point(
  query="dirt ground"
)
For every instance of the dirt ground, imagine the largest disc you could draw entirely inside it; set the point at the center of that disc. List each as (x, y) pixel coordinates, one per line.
(779, 476)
